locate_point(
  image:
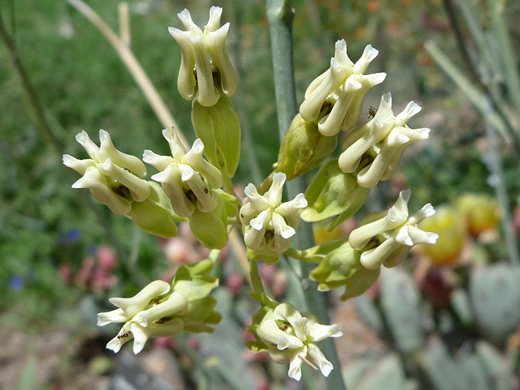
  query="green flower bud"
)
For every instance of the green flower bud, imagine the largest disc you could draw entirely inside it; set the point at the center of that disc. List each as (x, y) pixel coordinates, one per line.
(342, 267)
(343, 87)
(186, 178)
(164, 309)
(210, 228)
(373, 151)
(155, 215)
(212, 74)
(388, 239)
(219, 129)
(332, 193)
(114, 178)
(303, 148)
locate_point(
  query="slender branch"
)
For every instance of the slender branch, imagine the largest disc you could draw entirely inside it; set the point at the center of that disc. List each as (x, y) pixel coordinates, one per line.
(124, 23)
(256, 280)
(495, 166)
(128, 58)
(153, 97)
(30, 92)
(280, 16)
(475, 75)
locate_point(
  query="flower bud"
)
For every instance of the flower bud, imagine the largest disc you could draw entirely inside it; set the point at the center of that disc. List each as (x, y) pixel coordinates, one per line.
(212, 74)
(342, 267)
(155, 215)
(210, 228)
(114, 178)
(303, 148)
(332, 193)
(388, 239)
(343, 87)
(291, 337)
(186, 178)
(373, 151)
(268, 223)
(219, 129)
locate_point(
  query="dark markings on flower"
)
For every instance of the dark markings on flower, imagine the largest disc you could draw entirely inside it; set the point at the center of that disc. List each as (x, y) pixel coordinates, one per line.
(124, 335)
(371, 112)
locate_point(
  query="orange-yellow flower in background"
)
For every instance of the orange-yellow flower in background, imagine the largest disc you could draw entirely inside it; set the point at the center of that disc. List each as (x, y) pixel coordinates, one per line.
(449, 224)
(482, 212)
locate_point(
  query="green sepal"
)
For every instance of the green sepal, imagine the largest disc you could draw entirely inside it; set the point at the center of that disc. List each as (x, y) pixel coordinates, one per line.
(269, 256)
(303, 148)
(210, 228)
(198, 327)
(264, 300)
(319, 252)
(257, 346)
(332, 193)
(155, 215)
(193, 280)
(341, 267)
(200, 309)
(219, 129)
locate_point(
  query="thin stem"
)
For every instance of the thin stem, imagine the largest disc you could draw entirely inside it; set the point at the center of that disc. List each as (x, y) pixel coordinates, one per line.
(494, 100)
(213, 255)
(135, 68)
(242, 110)
(495, 166)
(298, 255)
(280, 15)
(30, 92)
(256, 281)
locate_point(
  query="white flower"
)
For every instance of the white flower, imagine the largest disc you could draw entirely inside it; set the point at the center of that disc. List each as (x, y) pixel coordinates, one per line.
(185, 176)
(196, 48)
(375, 148)
(268, 221)
(393, 235)
(150, 313)
(291, 338)
(343, 86)
(114, 178)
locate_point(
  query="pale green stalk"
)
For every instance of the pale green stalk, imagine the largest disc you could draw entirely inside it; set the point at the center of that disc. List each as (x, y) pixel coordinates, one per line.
(495, 166)
(280, 15)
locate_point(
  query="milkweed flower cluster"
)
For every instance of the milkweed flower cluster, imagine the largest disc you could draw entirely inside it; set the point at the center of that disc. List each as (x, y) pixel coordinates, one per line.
(268, 223)
(391, 236)
(164, 309)
(196, 47)
(291, 337)
(196, 185)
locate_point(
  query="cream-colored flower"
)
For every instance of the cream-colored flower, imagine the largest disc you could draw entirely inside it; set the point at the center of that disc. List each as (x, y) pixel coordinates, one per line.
(204, 54)
(269, 222)
(150, 313)
(291, 337)
(185, 176)
(114, 178)
(343, 86)
(388, 239)
(375, 149)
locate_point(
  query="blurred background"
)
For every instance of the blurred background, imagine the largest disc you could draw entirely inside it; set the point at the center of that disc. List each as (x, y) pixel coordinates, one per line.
(448, 319)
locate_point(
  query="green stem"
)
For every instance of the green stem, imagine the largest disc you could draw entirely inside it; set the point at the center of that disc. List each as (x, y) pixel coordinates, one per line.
(495, 166)
(280, 15)
(298, 255)
(256, 281)
(29, 91)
